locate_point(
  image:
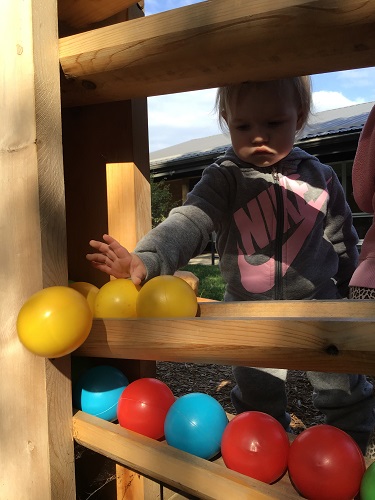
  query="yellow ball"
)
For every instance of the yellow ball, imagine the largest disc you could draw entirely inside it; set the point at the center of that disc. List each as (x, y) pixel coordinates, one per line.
(116, 299)
(54, 321)
(166, 297)
(87, 290)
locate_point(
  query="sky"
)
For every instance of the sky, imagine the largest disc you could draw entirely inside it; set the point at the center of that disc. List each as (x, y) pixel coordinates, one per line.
(177, 118)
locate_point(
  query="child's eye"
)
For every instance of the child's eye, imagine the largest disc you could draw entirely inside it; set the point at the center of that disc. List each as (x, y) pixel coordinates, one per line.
(242, 128)
(275, 123)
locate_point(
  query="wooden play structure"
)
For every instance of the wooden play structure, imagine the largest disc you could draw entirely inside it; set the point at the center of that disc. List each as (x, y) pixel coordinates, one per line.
(74, 164)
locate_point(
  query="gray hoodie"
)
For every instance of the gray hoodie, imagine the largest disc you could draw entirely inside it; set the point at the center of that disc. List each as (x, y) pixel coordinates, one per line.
(283, 232)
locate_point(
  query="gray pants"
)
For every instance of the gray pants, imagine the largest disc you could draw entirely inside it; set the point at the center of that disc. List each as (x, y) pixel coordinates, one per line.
(347, 401)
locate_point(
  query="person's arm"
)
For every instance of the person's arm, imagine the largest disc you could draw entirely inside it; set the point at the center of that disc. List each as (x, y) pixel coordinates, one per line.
(363, 178)
(186, 231)
(169, 246)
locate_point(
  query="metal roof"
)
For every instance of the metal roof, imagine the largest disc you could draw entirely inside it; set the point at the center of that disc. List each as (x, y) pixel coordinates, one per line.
(324, 123)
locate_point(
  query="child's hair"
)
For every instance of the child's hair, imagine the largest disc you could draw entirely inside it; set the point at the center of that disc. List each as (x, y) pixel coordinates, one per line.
(301, 86)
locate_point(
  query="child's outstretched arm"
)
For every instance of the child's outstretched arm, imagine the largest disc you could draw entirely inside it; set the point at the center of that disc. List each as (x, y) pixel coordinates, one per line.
(115, 260)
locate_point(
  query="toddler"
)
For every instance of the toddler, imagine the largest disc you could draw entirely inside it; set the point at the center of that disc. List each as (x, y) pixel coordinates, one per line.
(284, 232)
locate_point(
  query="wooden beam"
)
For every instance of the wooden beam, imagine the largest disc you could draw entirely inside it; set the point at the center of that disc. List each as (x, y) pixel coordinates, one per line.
(326, 309)
(129, 203)
(37, 457)
(215, 43)
(201, 478)
(275, 340)
(80, 13)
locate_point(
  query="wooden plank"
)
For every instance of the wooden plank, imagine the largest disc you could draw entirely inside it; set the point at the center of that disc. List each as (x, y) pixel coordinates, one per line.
(61, 449)
(129, 203)
(338, 345)
(34, 393)
(290, 308)
(202, 478)
(192, 48)
(80, 13)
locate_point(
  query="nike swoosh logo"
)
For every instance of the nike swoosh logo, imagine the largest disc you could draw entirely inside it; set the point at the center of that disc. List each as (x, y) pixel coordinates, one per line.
(261, 278)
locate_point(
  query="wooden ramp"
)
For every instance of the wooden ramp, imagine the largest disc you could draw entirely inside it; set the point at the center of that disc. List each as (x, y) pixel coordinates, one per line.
(333, 336)
(316, 335)
(167, 465)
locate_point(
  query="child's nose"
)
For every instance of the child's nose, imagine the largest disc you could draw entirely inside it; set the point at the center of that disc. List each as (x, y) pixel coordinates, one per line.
(259, 135)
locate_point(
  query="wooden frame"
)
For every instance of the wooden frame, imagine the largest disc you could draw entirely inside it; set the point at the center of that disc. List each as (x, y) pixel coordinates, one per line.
(192, 47)
(317, 342)
(184, 49)
(33, 226)
(193, 475)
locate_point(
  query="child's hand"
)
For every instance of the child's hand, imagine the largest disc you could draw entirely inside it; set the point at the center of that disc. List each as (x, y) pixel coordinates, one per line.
(113, 259)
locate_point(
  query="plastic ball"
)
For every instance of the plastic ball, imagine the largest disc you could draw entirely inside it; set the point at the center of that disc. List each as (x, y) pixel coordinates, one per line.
(368, 484)
(54, 321)
(256, 445)
(166, 297)
(325, 463)
(195, 423)
(88, 290)
(143, 406)
(98, 390)
(116, 299)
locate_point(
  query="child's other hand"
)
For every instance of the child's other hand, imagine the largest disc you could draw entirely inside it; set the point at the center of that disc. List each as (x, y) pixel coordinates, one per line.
(113, 259)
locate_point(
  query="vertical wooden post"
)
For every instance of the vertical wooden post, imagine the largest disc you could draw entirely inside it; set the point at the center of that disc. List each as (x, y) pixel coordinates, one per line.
(106, 162)
(129, 218)
(129, 203)
(36, 452)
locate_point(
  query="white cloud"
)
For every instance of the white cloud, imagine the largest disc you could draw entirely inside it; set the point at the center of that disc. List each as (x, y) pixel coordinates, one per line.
(326, 99)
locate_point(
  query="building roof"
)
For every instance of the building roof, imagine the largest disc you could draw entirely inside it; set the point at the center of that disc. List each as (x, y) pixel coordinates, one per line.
(324, 123)
(350, 118)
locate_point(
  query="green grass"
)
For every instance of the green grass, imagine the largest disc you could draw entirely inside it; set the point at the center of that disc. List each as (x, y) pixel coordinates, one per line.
(211, 285)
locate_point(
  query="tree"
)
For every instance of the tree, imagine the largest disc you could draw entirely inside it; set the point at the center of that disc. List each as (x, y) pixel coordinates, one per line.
(161, 201)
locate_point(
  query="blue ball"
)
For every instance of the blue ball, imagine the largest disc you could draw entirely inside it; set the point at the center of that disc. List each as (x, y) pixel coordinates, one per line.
(195, 423)
(98, 390)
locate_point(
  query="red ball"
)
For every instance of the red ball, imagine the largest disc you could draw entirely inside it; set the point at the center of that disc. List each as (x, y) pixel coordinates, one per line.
(256, 444)
(143, 406)
(325, 463)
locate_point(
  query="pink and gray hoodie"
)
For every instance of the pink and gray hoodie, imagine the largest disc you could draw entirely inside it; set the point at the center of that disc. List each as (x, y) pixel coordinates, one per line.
(283, 232)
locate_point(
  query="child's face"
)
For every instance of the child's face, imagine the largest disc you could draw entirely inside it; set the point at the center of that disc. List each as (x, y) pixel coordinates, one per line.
(263, 122)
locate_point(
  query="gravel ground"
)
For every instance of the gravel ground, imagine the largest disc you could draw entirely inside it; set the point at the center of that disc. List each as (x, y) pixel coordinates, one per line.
(217, 381)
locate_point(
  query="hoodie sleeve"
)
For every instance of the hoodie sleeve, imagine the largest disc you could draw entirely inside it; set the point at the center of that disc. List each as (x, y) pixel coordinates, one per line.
(184, 234)
(186, 231)
(341, 233)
